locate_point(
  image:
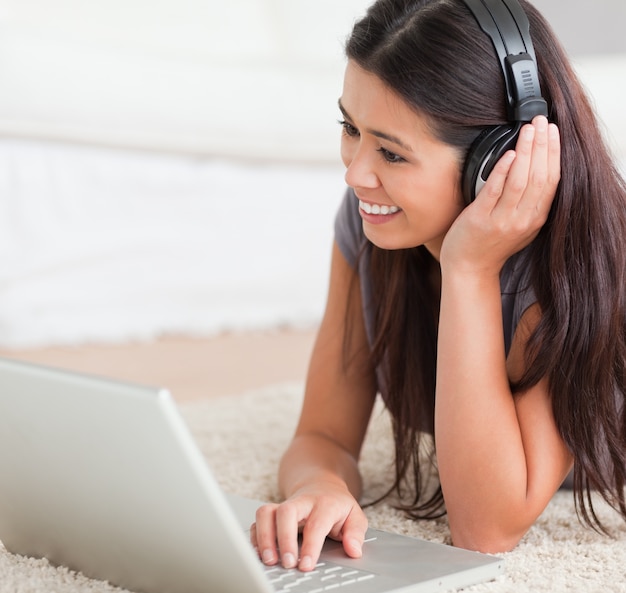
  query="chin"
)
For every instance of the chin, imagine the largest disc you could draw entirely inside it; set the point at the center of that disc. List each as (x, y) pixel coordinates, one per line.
(387, 241)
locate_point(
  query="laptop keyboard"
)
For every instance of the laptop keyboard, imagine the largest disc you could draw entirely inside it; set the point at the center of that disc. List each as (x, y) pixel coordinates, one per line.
(326, 576)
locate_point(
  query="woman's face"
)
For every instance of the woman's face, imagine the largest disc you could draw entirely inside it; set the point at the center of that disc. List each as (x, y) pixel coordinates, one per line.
(407, 181)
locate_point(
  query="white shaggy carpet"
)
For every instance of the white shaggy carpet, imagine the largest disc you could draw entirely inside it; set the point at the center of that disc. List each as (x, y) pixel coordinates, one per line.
(242, 438)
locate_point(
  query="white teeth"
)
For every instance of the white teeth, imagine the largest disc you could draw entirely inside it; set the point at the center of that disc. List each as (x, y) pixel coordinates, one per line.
(377, 209)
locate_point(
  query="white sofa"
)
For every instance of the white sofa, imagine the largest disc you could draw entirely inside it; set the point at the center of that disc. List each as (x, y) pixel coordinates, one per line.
(173, 166)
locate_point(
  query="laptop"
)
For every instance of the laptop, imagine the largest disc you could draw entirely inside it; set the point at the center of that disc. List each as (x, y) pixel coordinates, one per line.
(105, 478)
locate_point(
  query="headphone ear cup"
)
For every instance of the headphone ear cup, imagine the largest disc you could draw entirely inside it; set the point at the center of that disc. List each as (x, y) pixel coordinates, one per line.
(483, 155)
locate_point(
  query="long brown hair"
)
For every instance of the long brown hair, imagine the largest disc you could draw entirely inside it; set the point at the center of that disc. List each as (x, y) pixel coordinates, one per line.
(433, 55)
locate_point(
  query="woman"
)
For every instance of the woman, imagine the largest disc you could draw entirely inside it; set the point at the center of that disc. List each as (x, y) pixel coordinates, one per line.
(497, 326)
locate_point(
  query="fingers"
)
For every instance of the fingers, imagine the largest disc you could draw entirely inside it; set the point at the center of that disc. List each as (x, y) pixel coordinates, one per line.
(527, 179)
(353, 533)
(494, 188)
(535, 174)
(350, 531)
(554, 156)
(263, 534)
(288, 517)
(275, 533)
(512, 207)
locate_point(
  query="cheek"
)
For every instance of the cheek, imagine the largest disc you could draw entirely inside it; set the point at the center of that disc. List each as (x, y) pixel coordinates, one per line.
(450, 204)
(436, 201)
(446, 185)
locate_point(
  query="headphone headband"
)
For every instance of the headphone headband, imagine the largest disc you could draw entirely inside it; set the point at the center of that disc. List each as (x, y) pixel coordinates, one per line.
(506, 23)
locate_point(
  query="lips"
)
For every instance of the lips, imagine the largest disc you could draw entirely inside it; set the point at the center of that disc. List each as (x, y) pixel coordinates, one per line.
(378, 209)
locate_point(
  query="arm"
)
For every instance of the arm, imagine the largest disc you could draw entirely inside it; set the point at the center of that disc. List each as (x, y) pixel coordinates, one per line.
(318, 473)
(500, 457)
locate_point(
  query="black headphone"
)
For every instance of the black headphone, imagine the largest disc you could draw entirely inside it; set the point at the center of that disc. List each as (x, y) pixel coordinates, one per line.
(507, 25)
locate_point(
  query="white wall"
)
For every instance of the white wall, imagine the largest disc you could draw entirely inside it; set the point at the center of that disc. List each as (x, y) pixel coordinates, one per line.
(585, 27)
(172, 166)
(197, 76)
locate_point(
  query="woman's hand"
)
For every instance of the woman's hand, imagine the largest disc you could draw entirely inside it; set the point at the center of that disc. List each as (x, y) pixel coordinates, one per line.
(318, 510)
(512, 206)
(319, 474)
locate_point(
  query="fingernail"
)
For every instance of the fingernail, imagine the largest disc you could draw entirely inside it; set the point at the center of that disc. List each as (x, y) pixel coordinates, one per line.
(289, 560)
(542, 124)
(268, 556)
(306, 563)
(356, 546)
(553, 130)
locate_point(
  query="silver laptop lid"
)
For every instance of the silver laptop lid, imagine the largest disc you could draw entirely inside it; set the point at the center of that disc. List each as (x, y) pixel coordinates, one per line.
(104, 478)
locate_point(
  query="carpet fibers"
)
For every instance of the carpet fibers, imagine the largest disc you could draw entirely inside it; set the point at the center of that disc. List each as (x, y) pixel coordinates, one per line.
(242, 438)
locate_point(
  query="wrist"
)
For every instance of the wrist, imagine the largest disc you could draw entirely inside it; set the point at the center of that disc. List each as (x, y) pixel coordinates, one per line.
(320, 484)
(469, 275)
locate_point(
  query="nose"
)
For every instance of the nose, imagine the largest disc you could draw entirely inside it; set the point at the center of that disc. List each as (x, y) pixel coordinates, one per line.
(360, 170)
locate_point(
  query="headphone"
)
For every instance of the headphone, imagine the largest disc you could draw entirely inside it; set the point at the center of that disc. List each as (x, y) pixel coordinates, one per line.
(507, 25)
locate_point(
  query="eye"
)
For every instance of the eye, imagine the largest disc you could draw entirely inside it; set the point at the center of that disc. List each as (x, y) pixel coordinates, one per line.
(390, 157)
(349, 129)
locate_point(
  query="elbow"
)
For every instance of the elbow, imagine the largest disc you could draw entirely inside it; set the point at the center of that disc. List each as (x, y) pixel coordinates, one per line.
(485, 539)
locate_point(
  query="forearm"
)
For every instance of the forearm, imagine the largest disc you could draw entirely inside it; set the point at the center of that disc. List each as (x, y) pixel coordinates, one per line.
(315, 459)
(480, 450)
(500, 458)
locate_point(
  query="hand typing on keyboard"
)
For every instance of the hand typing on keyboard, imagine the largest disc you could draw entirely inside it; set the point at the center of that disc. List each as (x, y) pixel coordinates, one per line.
(318, 510)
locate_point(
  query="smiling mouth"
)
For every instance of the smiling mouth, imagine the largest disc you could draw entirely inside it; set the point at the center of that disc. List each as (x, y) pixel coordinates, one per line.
(382, 210)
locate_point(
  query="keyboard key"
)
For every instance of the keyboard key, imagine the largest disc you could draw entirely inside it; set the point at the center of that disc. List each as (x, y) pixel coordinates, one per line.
(325, 576)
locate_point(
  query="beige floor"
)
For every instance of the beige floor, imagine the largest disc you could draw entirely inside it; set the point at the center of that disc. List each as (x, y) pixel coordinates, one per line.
(190, 367)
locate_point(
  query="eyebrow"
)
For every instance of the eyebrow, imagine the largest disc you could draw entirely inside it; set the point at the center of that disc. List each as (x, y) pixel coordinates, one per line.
(377, 133)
